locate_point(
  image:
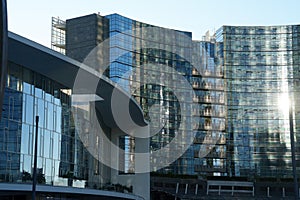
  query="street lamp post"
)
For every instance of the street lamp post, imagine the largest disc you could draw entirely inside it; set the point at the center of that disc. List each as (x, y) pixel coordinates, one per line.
(35, 158)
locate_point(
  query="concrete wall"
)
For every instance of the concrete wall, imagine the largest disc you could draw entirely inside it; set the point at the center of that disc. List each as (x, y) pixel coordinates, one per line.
(139, 181)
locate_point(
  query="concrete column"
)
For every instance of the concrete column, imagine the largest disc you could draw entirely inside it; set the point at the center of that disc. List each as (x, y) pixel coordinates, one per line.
(196, 190)
(140, 180)
(186, 188)
(177, 187)
(141, 185)
(207, 189)
(176, 192)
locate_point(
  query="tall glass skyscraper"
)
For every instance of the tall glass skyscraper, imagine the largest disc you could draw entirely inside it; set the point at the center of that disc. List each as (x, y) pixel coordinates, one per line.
(261, 67)
(147, 61)
(210, 136)
(242, 80)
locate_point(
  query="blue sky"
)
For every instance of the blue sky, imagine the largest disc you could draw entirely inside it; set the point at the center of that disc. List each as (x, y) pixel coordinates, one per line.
(32, 18)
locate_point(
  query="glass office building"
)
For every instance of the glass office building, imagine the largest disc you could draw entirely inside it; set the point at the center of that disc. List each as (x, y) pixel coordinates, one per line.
(149, 53)
(146, 61)
(261, 70)
(29, 94)
(242, 79)
(34, 87)
(210, 136)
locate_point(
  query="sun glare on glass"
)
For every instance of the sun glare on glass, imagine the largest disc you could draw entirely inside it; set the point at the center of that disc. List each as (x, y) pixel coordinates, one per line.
(283, 102)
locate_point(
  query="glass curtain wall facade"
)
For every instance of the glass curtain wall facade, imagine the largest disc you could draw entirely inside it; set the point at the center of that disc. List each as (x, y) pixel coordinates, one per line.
(261, 67)
(241, 81)
(134, 46)
(61, 154)
(141, 56)
(210, 136)
(83, 34)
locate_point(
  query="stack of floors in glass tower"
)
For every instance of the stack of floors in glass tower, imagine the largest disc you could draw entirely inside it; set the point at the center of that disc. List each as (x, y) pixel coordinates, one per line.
(241, 79)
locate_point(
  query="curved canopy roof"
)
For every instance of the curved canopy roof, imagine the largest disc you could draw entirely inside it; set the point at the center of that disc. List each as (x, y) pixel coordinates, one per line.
(63, 70)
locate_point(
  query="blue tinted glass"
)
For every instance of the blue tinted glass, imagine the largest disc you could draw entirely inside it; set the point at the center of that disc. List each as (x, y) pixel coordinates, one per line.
(29, 109)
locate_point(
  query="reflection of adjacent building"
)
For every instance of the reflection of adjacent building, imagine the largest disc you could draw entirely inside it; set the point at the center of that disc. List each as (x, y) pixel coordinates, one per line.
(11, 135)
(241, 78)
(39, 82)
(148, 52)
(59, 151)
(261, 75)
(208, 83)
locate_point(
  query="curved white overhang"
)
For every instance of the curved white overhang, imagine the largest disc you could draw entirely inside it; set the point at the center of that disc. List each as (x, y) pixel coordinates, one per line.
(63, 70)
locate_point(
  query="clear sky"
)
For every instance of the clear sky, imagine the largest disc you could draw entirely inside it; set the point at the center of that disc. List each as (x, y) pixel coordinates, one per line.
(32, 18)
